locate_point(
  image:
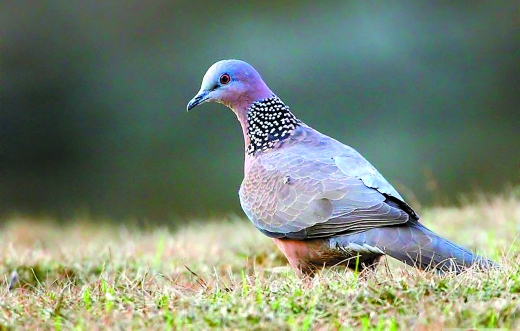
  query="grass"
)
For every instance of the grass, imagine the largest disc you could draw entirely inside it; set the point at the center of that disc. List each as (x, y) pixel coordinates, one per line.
(224, 274)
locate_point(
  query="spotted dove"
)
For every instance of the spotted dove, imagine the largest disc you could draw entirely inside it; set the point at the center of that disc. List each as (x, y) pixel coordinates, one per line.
(321, 201)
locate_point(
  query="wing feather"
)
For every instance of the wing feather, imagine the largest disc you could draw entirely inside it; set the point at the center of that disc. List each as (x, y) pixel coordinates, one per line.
(323, 190)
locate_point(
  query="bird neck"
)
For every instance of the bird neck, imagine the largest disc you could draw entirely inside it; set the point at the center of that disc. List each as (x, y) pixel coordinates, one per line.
(267, 122)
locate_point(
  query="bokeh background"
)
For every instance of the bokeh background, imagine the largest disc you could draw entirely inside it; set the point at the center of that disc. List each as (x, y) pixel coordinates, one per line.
(93, 97)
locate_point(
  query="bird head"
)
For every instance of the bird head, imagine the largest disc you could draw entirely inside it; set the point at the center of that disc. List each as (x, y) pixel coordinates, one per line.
(233, 83)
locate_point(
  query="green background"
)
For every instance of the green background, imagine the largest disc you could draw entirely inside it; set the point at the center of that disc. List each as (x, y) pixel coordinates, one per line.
(93, 97)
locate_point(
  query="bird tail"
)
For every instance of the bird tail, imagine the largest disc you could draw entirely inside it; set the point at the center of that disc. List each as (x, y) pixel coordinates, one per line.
(415, 245)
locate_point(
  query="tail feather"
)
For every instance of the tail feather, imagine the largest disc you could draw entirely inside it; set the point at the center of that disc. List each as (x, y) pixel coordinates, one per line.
(415, 245)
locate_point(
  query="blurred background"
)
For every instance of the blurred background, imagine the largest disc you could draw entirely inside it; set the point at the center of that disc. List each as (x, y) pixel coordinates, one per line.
(93, 98)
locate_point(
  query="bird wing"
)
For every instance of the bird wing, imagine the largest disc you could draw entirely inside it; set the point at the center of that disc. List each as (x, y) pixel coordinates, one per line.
(303, 192)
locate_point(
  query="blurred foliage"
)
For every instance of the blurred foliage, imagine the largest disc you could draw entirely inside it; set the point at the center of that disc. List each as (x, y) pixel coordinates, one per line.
(93, 97)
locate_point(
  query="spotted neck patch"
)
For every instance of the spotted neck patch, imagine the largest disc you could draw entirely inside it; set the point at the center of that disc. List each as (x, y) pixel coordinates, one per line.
(268, 122)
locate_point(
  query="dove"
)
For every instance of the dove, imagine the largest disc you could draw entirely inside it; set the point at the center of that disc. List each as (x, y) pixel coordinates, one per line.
(320, 200)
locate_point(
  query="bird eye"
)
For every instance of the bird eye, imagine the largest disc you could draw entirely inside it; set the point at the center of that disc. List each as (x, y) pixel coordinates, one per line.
(224, 79)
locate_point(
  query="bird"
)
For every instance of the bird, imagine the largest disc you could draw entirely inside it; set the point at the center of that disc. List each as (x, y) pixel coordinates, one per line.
(321, 201)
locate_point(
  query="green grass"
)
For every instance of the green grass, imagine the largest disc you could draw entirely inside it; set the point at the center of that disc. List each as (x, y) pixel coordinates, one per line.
(225, 274)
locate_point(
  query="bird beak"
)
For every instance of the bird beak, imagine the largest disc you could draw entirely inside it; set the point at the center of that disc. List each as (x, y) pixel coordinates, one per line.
(201, 97)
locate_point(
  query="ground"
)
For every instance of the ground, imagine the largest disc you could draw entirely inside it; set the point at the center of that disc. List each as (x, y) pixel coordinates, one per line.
(93, 274)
